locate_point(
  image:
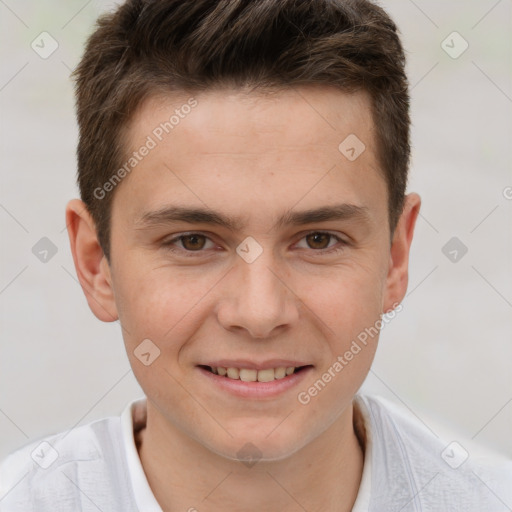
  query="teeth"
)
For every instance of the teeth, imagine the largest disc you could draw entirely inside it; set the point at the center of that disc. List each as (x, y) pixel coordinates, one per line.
(280, 373)
(233, 373)
(266, 375)
(248, 375)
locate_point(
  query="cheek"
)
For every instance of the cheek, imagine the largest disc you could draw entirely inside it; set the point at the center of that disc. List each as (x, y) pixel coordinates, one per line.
(346, 299)
(158, 303)
(348, 305)
(350, 320)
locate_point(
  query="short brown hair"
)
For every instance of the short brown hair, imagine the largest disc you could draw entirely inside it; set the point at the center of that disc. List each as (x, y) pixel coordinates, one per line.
(153, 46)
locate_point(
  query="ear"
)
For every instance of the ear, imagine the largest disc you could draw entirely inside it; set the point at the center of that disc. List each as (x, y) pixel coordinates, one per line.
(91, 265)
(398, 272)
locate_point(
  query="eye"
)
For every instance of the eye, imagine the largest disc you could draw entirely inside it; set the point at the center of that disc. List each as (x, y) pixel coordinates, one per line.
(190, 242)
(320, 240)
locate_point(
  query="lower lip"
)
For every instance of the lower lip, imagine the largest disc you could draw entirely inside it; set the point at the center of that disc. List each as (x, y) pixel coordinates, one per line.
(243, 389)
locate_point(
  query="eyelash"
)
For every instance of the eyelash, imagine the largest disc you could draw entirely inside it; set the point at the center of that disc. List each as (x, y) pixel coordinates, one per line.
(169, 244)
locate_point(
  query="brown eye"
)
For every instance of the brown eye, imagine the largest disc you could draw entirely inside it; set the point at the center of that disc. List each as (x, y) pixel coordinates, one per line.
(318, 240)
(189, 244)
(193, 242)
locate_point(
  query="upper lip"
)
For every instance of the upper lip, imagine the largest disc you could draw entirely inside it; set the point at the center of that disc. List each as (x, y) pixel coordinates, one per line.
(253, 365)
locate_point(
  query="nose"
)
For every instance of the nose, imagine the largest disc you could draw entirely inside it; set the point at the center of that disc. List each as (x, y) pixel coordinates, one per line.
(258, 299)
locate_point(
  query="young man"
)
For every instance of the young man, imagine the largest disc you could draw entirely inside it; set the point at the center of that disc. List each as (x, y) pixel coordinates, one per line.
(242, 168)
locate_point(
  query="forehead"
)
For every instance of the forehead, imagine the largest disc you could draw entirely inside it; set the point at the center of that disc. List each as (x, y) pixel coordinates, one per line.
(305, 115)
(269, 148)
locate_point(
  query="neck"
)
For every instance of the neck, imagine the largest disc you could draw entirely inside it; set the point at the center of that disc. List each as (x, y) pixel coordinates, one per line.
(185, 475)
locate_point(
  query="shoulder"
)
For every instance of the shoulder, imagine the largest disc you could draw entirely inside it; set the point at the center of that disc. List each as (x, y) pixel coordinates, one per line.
(63, 470)
(414, 465)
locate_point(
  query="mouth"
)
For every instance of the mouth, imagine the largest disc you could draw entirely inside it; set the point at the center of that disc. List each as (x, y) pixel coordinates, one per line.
(253, 374)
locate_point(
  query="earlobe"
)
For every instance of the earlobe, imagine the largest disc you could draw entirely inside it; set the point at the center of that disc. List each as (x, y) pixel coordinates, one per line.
(398, 273)
(92, 269)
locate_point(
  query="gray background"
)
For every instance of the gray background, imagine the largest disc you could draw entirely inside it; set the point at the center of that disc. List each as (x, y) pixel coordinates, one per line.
(446, 356)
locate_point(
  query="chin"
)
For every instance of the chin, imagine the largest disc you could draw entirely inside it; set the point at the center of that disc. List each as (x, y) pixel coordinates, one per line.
(262, 444)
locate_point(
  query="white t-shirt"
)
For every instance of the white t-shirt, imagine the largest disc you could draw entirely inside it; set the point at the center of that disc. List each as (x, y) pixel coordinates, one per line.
(406, 468)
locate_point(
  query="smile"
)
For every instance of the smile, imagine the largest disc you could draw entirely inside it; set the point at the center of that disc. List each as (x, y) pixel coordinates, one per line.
(264, 382)
(253, 375)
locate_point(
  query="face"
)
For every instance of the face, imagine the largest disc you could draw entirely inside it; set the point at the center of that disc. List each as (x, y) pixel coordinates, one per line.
(246, 239)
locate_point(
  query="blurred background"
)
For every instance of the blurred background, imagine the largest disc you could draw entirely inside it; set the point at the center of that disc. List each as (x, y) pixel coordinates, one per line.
(446, 357)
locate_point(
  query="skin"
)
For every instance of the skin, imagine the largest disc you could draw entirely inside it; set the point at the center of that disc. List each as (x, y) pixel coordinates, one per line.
(253, 158)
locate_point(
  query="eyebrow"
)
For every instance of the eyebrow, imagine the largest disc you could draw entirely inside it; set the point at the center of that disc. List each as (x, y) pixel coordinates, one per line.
(172, 214)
